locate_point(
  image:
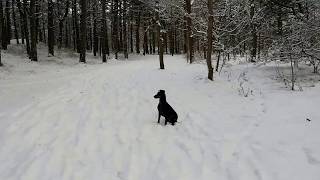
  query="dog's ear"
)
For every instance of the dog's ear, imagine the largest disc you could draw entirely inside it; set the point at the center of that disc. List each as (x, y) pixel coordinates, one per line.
(162, 91)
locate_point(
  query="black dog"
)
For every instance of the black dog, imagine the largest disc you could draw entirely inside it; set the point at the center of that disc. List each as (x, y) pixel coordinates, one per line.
(165, 109)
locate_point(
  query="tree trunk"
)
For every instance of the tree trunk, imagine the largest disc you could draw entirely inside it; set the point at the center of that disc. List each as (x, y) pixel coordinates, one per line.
(145, 40)
(160, 38)
(1, 23)
(218, 61)
(95, 34)
(103, 35)
(115, 28)
(61, 22)
(279, 21)
(253, 33)
(83, 28)
(189, 31)
(150, 40)
(120, 42)
(292, 73)
(21, 25)
(33, 29)
(50, 28)
(176, 42)
(138, 33)
(131, 37)
(107, 41)
(67, 33)
(44, 38)
(209, 38)
(125, 42)
(165, 42)
(37, 12)
(8, 22)
(60, 34)
(154, 40)
(26, 26)
(3, 29)
(0, 59)
(76, 25)
(16, 35)
(171, 41)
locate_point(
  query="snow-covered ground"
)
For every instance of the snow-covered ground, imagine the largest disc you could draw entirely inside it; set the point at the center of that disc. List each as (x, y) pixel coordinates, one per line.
(60, 120)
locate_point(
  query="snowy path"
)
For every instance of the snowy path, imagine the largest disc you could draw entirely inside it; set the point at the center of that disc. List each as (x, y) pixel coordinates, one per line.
(99, 122)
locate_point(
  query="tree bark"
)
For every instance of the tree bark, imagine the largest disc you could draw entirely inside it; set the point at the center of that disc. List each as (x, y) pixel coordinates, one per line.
(209, 38)
(76, 35)
(3, 29)
(33, 29)
(95, 34)
(83, 28)
(103, 35)
(26, 26)
(120, 20)
(171, 41)
(67, 33)
(160, 38)
(1, 23)
(61, 22)
(50, 28)
(8, 22)
(21, 24)
(253, 33)
(218, 61)
(115, 28)
(138, 33)
(145, 40)
(131, 37)
(0, 59)
(16, 35)
(189, 31)
(125, 39)
(150, 39)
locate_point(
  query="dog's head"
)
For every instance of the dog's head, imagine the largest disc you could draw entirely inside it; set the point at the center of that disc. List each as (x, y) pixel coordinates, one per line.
(161, 93)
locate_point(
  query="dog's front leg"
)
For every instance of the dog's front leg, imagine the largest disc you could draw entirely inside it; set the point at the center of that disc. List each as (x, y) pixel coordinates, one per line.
(158, 117)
